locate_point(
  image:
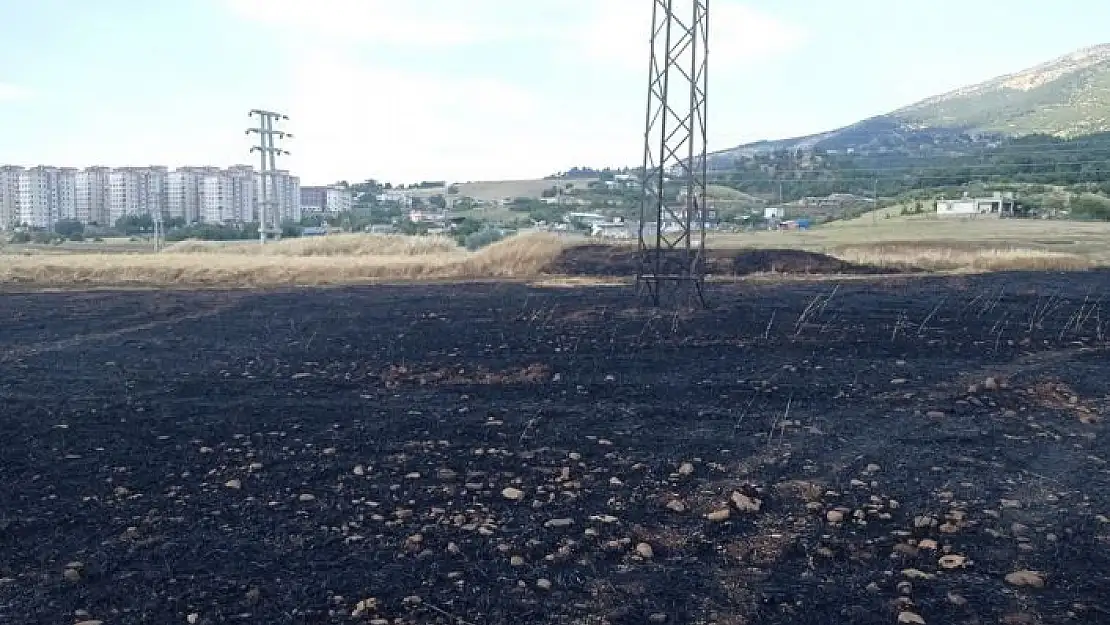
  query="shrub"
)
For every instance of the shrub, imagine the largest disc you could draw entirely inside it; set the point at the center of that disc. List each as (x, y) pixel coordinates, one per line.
(482, 238)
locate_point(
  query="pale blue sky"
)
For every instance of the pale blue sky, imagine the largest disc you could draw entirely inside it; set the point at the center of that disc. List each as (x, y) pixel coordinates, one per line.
(480, 89)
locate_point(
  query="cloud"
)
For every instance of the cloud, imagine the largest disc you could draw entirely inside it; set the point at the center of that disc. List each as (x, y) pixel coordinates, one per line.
(424, 23)
(618, 31)
(404, 125)
(358, 110)
(12, 93)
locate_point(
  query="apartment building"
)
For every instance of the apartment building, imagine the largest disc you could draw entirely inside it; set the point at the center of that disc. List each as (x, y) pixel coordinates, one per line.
(283, 192)
(330, 199)
(41, 196)
(228, 196)
(92, 201)
(137, 191)
(184, 197)
(46, 195)
(9, 196)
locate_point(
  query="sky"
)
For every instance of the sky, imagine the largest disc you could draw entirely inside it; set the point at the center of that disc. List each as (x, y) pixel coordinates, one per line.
(461, 90)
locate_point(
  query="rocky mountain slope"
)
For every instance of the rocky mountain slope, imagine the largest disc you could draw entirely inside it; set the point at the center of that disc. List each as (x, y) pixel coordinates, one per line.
(1066, 97)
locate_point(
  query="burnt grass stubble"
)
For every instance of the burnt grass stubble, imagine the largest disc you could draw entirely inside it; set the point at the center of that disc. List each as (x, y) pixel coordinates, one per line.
(281, 457)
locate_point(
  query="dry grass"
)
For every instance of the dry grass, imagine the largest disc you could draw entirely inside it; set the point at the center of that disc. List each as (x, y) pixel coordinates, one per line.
(949, 245)
(331, 246)
(289, 263)
(954, 259)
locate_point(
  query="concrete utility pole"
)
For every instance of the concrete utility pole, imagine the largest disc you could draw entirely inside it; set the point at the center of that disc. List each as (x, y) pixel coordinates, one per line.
(269, 221)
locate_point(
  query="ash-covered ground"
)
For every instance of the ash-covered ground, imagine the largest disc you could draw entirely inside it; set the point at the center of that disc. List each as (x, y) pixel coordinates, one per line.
(910, 450)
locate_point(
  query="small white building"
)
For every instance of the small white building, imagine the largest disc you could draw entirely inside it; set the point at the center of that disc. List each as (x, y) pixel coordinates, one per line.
(999, 204)
(774, 212)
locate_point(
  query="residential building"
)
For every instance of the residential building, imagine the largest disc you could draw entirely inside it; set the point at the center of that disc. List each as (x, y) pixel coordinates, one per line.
(283, 191)
(184, 192)
(92, 196)
(46, 195)
(41, 196)
(404, 200)
(9, 196)
(997, 205)
(330, 199)
(228, 197)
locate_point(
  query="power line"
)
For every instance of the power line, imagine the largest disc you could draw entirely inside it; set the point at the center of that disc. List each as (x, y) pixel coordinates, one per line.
(269, 152)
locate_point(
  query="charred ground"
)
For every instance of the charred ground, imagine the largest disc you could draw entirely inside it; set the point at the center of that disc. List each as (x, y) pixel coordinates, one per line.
(281, 457)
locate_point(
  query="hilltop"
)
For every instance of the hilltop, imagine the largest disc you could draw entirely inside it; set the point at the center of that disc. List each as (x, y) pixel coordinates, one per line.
(1066, 97)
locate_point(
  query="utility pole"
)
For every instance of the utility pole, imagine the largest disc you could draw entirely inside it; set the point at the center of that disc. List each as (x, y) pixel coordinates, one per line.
(159, 230)
(267, 147)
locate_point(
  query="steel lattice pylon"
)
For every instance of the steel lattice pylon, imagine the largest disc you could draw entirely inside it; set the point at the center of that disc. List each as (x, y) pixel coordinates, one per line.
(673, 209)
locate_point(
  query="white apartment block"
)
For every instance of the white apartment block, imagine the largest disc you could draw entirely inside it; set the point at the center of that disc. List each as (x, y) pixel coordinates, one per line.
(9, 196)
(41, 196)
(46, 195)
(184, 197)
(92, 196)
(283, 192)
(228, 196)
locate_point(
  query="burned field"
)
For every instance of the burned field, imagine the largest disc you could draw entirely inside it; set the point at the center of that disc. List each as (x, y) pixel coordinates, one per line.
(900, 451)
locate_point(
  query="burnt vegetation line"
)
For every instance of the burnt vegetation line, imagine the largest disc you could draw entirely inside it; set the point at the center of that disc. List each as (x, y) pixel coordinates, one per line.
(502, 453)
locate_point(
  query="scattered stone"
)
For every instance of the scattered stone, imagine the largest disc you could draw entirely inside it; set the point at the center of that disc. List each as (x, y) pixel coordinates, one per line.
(543, 584)
(234, 484)
(834, 516)
(916, 574)
(558, 523)
(957, 599)
(359, 470)
(645, 551)
(935, 414)
(718, 515)
(453, 549)
(953, 562)
(512, 494)
(686, 469)
(90, 622)
(1018, 618)
(516, 561)
(929, 544)
(676, 505)
(306, 497)
(192, 619)
(657, 618)
(72, 574)
(744, 503)
(1031, 579)
(924, 522)
(873, 468)
(990, 384)
(910, 618)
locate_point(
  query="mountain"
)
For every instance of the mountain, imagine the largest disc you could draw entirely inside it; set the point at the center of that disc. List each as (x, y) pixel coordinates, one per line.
(1066, 97)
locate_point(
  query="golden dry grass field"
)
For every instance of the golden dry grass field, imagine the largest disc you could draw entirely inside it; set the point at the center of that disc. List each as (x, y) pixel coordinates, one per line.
(949, 245)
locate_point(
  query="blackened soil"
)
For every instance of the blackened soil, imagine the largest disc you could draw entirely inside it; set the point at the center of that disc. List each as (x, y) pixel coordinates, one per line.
(622, 260)
(281, 457)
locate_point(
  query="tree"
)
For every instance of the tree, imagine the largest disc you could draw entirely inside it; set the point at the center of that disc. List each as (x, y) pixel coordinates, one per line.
(131, 225)
(69, 228)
